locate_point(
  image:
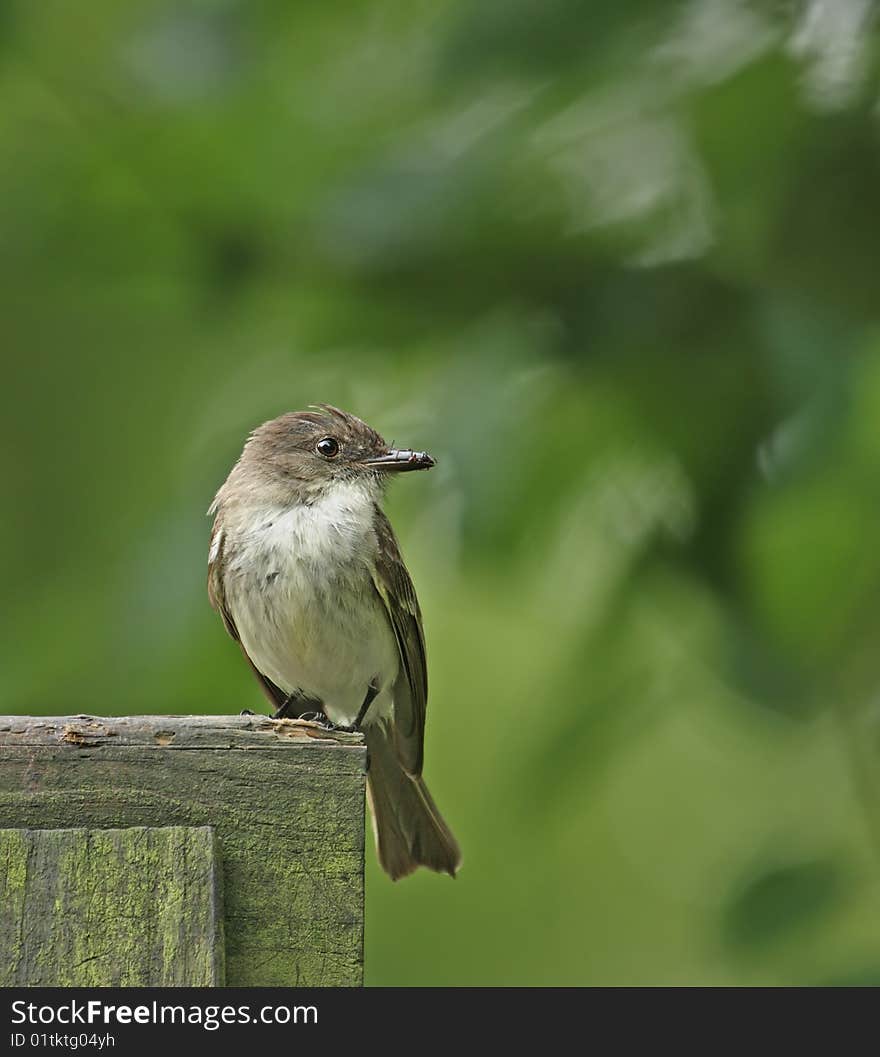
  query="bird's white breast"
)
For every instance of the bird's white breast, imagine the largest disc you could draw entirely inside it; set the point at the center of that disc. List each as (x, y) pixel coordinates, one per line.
(298, 583)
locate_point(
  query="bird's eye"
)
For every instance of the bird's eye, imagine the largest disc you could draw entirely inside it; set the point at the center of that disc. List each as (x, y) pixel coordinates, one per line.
(328, 447)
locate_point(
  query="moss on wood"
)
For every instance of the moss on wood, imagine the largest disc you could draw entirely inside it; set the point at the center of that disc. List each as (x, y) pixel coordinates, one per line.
(285, 799)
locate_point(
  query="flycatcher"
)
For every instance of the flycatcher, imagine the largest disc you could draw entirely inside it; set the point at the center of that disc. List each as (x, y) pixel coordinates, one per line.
(306, 572)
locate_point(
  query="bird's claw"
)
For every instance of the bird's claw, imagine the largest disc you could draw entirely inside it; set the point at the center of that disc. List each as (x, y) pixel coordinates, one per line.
(327, 724)
(316, 717)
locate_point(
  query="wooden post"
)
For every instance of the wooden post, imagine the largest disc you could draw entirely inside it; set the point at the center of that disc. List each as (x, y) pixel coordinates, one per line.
(165, 850)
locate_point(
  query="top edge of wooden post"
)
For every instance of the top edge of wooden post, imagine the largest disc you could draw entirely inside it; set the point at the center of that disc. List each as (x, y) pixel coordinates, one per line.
(174, 732)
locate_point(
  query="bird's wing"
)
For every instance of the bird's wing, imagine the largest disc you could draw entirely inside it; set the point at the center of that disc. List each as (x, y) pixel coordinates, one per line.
(217, 597)
(395, 588)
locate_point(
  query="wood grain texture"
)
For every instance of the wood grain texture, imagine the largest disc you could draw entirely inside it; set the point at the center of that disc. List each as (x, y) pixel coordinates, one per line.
(285, 797)
(169, 732)
(138, 907)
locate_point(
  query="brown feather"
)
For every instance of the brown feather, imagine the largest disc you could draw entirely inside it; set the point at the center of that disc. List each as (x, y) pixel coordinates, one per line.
(408, 827)
(395, 589)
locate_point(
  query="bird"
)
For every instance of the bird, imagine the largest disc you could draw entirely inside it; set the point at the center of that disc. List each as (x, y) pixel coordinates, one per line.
(306, 572)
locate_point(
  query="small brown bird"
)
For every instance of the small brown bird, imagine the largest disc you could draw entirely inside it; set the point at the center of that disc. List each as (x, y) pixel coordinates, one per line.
(306, 572)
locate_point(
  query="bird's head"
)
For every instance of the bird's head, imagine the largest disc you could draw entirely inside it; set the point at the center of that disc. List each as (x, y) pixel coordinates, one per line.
(308, 452)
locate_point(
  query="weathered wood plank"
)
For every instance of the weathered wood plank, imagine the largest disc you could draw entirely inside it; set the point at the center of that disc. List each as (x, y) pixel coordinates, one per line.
(286, 800)
(136, 907)
(170, 732)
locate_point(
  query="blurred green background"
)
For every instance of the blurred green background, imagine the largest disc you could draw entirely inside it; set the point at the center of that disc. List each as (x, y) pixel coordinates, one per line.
(615, 265)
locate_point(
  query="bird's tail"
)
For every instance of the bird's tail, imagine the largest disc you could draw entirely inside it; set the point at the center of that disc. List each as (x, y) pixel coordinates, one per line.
(409, 829)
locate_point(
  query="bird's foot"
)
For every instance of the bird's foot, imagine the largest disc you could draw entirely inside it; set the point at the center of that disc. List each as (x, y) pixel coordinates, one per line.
(328, 724)
(316, 717)
(295, 706)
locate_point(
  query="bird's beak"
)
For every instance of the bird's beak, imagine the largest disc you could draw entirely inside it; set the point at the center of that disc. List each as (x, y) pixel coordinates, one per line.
(395, 460)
